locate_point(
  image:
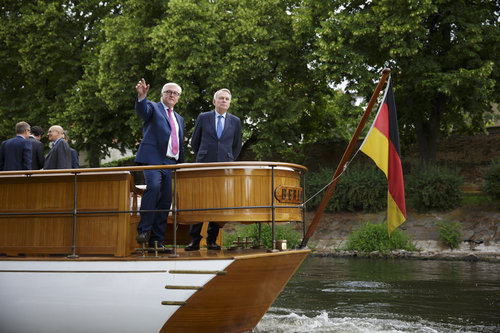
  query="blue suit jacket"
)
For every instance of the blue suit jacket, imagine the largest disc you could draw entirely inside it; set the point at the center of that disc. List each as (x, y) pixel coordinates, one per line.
(206, 145)
(156, 133)
(15, 154)
(75, 163)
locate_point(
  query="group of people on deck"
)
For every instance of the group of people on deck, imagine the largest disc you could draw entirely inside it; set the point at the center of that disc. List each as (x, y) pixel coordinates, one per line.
(25, 151)
(216, 138)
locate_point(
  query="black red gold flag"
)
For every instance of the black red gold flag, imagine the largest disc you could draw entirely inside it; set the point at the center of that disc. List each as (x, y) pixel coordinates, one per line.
(382, 146)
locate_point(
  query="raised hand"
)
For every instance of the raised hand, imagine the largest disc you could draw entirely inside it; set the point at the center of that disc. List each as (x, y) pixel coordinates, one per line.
(142, 89)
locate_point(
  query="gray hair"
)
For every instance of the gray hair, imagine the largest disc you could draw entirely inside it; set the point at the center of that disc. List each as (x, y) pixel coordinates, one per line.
(223, 89)
(57, 128)
(171, 84)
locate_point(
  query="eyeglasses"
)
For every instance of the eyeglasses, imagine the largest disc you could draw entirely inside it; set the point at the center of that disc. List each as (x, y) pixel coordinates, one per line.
(173, 93)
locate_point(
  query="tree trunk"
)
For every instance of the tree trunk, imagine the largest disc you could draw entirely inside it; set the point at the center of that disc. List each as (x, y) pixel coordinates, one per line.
(94, 160)
(427, 131)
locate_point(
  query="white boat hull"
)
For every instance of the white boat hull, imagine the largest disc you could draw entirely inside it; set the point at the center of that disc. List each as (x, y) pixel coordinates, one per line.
(95, 296)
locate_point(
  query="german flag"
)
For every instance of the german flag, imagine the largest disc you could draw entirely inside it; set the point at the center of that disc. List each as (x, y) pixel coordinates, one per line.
(382, 146)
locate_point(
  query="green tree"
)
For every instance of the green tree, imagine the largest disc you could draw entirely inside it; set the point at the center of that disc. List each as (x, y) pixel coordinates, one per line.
(252, 48)
(444, 56)
(101, 105)
(44, 45)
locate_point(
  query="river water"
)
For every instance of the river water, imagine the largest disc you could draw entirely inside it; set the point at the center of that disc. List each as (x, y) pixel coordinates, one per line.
(376, 295)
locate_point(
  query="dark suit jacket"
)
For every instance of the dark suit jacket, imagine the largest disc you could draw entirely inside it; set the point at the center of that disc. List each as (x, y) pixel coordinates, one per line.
(15, 154)
(38, 156)
(75, 163)
(156, 133)
(206, 145)
(59, 156)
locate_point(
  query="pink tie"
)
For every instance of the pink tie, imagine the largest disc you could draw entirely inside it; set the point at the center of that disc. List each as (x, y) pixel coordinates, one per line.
(175, 143)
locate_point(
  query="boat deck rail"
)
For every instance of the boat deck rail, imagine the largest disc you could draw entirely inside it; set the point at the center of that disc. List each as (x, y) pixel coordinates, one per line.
(223, 192)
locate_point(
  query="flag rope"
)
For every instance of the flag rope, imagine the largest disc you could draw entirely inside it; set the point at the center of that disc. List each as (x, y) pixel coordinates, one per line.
(333, 180)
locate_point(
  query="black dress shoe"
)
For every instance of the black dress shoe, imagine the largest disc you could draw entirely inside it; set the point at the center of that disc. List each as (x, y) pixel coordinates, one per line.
(192, 247)
(143, 237)
(213, 246)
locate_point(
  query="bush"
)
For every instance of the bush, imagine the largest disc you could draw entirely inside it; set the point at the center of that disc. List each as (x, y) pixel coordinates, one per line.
(491, 180)
(126, 161)
(286, 231)
(433, 188)
(359, 189)
(449, 233)
(374, 237)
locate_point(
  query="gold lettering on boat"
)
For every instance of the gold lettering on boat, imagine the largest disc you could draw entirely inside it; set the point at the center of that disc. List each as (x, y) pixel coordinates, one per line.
(288, 194)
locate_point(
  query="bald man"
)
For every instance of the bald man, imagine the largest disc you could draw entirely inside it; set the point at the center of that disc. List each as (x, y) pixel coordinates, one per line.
(59, 156)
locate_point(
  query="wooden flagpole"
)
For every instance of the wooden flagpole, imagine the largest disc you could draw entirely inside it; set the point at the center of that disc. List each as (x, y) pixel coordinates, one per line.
(343, 161)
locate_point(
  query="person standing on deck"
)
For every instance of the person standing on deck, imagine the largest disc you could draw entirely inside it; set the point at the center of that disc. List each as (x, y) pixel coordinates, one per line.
(216, 138)
(59, 156)
(37, 147)
(75, 162)
(163, 133)
(15, 153)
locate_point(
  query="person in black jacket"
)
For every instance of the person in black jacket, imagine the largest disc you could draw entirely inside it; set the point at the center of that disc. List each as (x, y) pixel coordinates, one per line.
(37, 148)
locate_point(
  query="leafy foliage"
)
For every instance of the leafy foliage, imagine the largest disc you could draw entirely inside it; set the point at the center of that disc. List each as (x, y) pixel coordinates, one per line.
(286, 231)
(359, 189)
(449, 233)
(75, 63)
(126, 161)
(492, 180)
(433, 188)
(443, 55)
(374, 237)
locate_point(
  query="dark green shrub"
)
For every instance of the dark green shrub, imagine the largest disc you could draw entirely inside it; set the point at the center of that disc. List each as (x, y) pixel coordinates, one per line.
(360, 189)
(286, 231)
(126, 161)
(374, 237)
(491, 180)
(449, 233)
(433, 188)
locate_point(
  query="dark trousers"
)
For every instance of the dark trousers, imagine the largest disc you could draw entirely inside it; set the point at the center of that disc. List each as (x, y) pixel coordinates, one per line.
(212, 232)
(158, 195)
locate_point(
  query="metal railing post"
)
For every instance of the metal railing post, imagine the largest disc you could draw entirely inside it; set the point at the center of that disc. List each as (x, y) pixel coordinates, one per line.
(75, 212)
(174, 214)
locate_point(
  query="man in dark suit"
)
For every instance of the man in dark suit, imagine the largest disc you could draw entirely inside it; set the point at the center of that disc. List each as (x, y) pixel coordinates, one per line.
(163, 133)
(15, 153)
(59, 156)
(75, 163)
(216, 138)
(38, 155)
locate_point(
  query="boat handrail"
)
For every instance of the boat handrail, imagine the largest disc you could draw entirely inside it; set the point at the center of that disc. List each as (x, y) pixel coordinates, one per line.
(175, 210)
(181, 166)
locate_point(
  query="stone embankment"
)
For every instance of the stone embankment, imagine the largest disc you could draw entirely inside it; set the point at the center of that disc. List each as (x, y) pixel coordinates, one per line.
(480, 232)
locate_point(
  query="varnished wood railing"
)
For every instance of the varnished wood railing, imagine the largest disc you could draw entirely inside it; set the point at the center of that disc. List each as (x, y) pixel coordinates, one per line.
(191, 207)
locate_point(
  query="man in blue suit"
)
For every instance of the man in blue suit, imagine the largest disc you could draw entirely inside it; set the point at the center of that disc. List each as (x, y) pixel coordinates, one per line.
(163, 132)
(75, 162)
(216, 138)
(15, 153)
